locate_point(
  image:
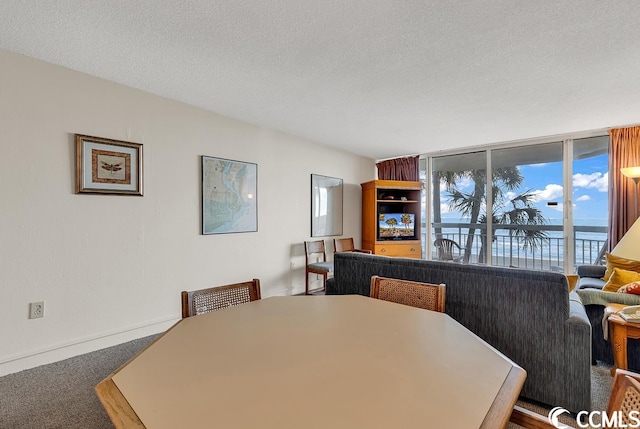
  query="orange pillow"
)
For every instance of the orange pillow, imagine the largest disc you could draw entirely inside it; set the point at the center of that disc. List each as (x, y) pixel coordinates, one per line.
(614, 261)
(633, 288)
(619, 278)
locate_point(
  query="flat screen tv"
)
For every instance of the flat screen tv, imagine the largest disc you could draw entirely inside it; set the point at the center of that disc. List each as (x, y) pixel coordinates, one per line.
(396, 226)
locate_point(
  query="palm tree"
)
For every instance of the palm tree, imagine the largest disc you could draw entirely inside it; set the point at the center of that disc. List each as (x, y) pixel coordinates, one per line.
(406, 220)
(448, 178)
(517, 210)
(392, 222)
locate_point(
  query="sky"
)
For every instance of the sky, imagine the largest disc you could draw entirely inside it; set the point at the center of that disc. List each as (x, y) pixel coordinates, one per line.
(590, 184)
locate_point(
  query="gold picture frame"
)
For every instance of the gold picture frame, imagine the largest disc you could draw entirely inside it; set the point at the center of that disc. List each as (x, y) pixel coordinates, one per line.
(106, 166)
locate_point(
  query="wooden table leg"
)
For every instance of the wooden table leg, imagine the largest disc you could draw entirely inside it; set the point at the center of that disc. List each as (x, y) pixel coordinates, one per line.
(618, 335)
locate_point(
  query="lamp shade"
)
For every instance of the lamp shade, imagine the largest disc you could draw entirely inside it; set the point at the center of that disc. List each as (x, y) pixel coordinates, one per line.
(629, 246)
(632, 172)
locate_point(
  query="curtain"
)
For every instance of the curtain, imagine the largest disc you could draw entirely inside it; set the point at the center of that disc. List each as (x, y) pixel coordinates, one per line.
(407, 168)
(624, 152)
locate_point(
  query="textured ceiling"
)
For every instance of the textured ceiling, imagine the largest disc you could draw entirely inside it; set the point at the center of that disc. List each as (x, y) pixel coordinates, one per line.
(380, 78)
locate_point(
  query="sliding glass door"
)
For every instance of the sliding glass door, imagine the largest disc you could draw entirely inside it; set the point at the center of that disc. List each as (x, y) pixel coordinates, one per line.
(590, 180)
(459, 198)
(528, 209)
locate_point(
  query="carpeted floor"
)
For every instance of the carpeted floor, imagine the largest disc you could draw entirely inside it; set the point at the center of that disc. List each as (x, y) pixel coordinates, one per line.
(601, 382)
(61, 395)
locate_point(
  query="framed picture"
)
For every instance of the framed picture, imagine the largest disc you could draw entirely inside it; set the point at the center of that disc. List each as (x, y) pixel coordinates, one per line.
(326, 206)
(229, 196)
(105, 166)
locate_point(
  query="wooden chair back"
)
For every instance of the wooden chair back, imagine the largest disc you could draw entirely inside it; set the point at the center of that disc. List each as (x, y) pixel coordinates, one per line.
(625, 397)
(343, 245)
(416, 294)
(206, 300)
(346, 245)
(314, 251)
(445, 249)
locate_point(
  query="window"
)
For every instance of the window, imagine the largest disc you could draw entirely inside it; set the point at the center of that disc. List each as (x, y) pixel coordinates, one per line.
(528, 211)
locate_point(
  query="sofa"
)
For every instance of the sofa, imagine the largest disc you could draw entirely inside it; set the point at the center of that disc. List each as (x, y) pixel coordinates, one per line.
(589, 288)
(527, 315)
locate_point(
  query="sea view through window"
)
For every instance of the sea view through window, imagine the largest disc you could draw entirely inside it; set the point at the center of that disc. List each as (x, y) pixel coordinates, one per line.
(546, 208)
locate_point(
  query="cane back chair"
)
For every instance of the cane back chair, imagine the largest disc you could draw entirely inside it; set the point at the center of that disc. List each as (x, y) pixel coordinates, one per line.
(625, 397)
(316, 263)
(206, 300)
(416, 294)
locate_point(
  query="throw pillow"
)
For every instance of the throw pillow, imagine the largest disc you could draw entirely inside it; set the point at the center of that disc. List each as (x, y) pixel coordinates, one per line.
(618, 262)
(633, 288)
(619, 278)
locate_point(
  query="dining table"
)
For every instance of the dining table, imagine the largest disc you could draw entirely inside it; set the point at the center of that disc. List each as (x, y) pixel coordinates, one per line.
(296, 362)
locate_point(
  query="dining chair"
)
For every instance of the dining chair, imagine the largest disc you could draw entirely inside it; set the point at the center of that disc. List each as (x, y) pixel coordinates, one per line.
(445, 248)
(625, 397)
(316, 263)
(214, 298)
(422, 295)
(346, 245)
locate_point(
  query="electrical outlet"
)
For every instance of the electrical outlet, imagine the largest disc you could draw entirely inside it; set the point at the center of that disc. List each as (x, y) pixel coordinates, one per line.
(292, 266)
(36, 310)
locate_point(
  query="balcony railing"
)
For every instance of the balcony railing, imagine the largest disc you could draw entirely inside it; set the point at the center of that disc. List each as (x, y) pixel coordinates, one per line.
(509, 250)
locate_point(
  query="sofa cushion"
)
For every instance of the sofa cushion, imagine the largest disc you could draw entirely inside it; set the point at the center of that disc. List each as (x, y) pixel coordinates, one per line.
(632, 288)
(614, 261)
(620, 277)
(590, 283)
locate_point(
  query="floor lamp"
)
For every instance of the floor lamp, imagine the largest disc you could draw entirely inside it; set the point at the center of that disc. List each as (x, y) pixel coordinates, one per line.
(634, 174)
(628, 247)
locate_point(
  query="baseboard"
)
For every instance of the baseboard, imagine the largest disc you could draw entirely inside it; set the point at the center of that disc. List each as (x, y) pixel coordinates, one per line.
(96, 342)
(83, 345)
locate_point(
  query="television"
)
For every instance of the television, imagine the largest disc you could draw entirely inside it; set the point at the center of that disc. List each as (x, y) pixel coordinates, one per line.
(396, 226)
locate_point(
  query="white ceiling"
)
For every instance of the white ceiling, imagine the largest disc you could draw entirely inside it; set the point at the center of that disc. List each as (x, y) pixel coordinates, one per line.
(380, 78)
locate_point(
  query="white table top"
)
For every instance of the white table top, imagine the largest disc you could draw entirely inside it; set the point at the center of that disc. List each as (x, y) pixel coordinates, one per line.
(317, 362)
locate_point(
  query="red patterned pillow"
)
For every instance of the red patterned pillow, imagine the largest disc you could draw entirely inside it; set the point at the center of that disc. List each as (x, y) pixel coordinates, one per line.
(633, 288)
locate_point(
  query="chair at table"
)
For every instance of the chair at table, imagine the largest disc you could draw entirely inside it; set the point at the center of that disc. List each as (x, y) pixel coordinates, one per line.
(346, 245)
(206, 300)
(316, 263)
(416, 294)
(445, 248)
(625, 397)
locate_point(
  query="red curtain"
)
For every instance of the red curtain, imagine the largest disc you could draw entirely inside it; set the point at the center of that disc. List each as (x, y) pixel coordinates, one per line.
(624, 152)
(407, 168)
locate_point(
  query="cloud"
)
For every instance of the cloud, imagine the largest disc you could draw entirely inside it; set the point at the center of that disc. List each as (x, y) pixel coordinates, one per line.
(583, 198)
(550, 192)
(597, 181)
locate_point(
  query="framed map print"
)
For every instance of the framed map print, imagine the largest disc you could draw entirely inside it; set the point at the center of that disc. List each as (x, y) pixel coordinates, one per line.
(105, 166)
(229, 196)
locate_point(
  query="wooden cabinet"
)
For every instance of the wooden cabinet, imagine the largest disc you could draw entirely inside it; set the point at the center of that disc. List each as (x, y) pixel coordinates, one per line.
(391, 218)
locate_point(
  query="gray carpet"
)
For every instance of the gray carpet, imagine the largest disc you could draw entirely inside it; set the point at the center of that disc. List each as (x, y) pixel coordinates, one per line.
(61, 395)
(601, 382)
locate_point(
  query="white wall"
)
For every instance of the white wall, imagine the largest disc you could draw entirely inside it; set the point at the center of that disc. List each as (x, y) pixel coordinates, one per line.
(110, 268)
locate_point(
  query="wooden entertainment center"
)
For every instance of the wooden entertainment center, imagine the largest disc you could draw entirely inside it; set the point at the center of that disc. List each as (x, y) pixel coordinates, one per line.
(386, 199)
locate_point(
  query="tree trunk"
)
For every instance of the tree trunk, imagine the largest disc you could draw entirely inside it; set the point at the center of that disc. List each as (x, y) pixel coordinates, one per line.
(478, 193)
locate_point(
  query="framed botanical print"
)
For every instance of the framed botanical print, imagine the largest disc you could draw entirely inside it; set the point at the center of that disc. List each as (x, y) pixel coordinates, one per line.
(105, 166)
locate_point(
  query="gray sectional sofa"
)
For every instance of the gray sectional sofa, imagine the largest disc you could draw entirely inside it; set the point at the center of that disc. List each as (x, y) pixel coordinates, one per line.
(589, 288)
(527, 315)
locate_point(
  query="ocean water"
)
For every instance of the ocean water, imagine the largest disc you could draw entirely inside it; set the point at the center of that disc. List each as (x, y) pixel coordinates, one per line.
(548, 253)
